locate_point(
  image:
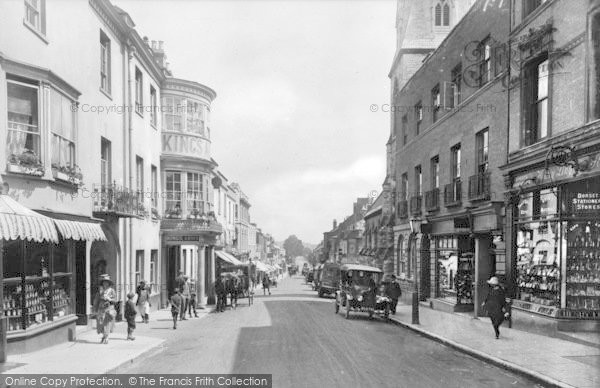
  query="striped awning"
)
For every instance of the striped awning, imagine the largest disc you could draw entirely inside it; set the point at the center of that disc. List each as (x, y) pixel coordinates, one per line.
(228, 258)
(260, 266)
(18, 222)
(76, 230)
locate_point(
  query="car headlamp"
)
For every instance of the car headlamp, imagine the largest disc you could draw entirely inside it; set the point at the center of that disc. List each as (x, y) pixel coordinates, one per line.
(360, 298)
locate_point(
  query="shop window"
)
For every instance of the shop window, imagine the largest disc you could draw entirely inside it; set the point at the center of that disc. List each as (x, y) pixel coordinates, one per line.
(23, 135)
(139, 92)
(535, 100)
(105, 65)
(446, 257)
(594, 67)
(35, 15)
(63, 129)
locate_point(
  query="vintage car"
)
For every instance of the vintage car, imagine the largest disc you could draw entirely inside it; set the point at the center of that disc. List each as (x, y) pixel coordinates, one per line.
(329, 281)
(360, 291)
(317, 277)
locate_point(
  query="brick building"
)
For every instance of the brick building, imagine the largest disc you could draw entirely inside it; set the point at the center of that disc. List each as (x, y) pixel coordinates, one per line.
(449, 134)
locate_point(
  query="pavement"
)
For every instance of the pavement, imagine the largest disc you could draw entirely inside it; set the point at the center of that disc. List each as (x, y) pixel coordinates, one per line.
(552, 361)
(86, 355)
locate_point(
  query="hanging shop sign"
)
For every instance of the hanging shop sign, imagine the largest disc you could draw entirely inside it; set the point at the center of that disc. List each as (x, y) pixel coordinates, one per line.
(561, 164)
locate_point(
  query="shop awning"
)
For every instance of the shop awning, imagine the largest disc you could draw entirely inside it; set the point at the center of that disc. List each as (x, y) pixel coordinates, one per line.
(260, 266)
(76, 230)
(19, 222)
(228, 258)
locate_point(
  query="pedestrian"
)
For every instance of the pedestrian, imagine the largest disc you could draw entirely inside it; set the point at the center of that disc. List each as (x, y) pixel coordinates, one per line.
(179, 280)
(185, 294)
(266, 284)
(130, 313)
(221, 294)
(104, 305)
(394, 292)
(143, 305)
(495, 304)
(176, 302)
(192, 304)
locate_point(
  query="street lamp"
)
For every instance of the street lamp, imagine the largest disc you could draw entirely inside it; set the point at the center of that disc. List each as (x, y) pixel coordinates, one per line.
(415, 295)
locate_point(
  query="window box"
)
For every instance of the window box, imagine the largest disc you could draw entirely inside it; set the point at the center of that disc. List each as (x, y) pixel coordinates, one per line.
(25, 170)
(27, 163)
(155, 215)
(67, 174)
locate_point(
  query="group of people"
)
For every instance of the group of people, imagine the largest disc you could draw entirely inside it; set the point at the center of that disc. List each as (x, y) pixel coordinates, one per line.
(183, 300)
(105, 302)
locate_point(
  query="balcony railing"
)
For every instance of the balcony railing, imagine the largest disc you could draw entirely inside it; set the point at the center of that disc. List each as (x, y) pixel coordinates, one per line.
(479, 187)
(432, 200)
(416, 203)
(117, 201)
(453, 193)
(402, 210)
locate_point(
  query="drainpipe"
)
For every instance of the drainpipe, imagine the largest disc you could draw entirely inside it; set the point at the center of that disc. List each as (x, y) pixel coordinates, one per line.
(131, 52)
(123, 235)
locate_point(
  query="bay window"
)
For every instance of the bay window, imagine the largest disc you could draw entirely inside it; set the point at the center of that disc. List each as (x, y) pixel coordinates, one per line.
(62, 128)
(23, 120)
(195, 197)
(173, 194)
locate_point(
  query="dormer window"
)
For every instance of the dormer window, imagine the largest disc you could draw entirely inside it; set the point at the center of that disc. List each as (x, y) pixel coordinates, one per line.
(442, 14)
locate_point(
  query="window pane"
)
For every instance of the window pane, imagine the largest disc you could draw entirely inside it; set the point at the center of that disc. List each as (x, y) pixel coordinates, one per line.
(542, 118)
(543, 80)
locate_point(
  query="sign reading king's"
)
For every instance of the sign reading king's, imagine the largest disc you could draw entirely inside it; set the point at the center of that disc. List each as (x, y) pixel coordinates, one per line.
(175, 143)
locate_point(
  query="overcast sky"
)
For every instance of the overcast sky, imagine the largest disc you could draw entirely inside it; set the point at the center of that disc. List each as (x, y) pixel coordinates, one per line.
(295, 81)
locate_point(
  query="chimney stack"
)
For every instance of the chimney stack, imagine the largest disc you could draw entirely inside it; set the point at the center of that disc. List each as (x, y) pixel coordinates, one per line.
(334, 224)
(153, 45)
(160, 45)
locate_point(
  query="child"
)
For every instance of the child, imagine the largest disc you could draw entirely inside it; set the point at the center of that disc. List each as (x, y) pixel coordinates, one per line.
(176, 302)
(192, 305)
(130, 314)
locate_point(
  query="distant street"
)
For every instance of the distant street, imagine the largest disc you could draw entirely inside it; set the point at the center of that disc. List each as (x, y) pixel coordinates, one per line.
(296, 336)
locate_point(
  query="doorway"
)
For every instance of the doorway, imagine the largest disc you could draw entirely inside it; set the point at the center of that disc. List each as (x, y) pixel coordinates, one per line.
(173, 266)
(82, 283)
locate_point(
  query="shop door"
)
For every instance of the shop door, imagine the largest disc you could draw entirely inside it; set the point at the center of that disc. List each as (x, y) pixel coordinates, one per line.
(425, 268)
(173, 266)
(81, 283)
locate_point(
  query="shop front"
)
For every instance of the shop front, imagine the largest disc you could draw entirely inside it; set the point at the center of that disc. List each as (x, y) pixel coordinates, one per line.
(556, 229)
(41, 265)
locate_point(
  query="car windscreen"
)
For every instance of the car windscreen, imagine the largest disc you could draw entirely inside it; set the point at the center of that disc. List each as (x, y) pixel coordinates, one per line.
(361, 278)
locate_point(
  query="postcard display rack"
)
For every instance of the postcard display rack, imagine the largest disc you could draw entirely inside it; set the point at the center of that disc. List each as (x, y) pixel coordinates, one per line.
(35, 300)
(583, 270)
(464, 279)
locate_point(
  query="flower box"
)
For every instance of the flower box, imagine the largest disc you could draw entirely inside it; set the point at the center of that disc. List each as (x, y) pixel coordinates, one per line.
(25, 170)
(62, 176)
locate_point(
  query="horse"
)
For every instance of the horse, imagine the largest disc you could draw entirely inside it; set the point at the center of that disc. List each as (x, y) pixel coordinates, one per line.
(232, 287)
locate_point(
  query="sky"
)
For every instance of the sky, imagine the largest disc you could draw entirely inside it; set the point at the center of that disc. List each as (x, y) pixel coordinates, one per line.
(295, 81)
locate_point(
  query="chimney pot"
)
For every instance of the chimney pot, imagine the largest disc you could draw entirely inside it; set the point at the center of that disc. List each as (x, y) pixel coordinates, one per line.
(154, 44)
(160, 44)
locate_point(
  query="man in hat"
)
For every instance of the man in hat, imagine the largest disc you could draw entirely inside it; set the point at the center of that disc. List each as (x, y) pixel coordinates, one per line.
(394, 291)
(143, 292)
(130, 314)
(186, 295)
(495, 304)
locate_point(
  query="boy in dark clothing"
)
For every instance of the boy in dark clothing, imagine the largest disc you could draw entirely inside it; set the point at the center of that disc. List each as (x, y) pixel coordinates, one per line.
(394, 292)
(176, 302)
(130, 314)
(192, 305)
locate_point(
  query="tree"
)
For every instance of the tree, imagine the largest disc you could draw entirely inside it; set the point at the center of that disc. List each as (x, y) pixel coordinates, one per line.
(293, 246)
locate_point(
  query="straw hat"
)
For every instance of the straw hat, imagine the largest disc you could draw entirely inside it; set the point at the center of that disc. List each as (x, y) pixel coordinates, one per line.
(106, 278)
(493, 281)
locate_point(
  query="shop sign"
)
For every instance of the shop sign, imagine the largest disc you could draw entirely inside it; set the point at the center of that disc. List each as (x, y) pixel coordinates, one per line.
(536, 308)
(558, 171)
(185, 145)
(183, 238)
(583, 198)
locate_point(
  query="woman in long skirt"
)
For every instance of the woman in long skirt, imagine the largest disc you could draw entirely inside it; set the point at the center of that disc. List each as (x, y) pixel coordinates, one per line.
(495, 304)
(104, 304)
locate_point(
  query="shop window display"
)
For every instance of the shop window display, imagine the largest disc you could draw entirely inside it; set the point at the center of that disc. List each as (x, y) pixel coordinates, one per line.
(447, 262)
(33, 293)
(583, 266)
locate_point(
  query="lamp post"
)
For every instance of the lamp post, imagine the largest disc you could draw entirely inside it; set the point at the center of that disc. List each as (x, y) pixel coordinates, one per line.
(415, 295)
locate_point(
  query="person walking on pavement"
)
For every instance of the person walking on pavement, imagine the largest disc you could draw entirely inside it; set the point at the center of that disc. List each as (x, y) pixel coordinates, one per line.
(495, 304)
(104, 305)
(266, 284)
(176, 302)
(221, 295)
(130, 313)
(394, 292)
(185, 294)
(143, 292)
(192, 305)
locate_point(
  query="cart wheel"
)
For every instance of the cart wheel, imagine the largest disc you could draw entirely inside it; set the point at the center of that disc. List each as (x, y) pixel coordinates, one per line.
(347, 310)
(337, 306)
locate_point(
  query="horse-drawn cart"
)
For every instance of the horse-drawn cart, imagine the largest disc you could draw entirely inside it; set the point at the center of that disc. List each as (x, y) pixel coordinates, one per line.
(238, 283)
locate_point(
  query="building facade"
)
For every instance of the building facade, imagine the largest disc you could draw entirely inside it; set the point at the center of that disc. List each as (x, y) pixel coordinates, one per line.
(552, 171)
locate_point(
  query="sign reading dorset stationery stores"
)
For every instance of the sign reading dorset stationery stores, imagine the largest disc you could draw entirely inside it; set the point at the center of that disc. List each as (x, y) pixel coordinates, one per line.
(583, 198)
(186, 145)
(585, 202)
